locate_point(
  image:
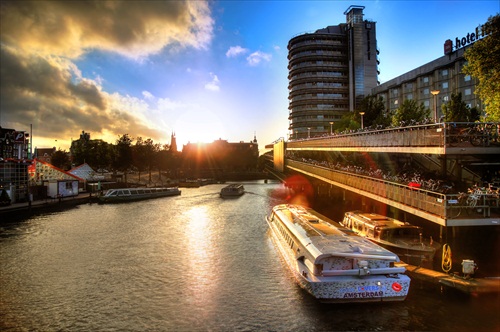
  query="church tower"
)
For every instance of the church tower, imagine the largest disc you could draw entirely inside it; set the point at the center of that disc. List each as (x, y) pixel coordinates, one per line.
(173, 143)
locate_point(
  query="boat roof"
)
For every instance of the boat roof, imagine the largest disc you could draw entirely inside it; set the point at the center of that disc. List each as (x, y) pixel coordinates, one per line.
(234, 185)
(379, 220)
(322, 237)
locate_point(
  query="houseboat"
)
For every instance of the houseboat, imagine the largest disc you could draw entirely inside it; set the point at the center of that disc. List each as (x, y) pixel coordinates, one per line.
(331, 262)
(136, 194)
(402, 238)
(232, 190)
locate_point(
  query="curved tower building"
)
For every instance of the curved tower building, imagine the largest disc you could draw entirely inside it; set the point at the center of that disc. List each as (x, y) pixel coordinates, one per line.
(330, 71)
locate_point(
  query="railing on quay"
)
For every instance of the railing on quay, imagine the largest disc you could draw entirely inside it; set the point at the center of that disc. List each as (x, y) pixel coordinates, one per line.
(444, 206)
(445, 134)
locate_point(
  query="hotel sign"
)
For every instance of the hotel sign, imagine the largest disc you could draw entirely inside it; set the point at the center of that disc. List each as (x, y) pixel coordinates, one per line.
(471, 37)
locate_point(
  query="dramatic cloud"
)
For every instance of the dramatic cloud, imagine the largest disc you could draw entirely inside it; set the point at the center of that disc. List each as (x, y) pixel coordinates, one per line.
(36, 91)
(257, 57)
(40, 84)
(132, 28)
(235, 51)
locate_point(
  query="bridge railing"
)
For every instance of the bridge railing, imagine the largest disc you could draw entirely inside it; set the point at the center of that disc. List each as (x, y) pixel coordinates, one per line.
(442, 205)
(429, 135)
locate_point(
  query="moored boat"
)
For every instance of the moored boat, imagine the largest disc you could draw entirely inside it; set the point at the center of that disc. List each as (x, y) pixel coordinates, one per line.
(136, 194)
(402, 238)
(190, 183)
(232, 190)
(331, 262)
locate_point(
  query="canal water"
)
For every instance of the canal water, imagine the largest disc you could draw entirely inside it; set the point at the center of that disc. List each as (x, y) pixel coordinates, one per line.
(193, 262)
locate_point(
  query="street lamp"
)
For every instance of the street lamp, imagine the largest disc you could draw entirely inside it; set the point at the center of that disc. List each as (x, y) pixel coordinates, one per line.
(362, 125)
(435, 93)
(331, 128)
(308, 132)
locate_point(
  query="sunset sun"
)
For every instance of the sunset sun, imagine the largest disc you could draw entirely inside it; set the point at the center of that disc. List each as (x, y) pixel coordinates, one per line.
(193, 127)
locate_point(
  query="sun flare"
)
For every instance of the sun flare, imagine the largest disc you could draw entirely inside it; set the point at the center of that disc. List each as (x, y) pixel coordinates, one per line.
(193, 127)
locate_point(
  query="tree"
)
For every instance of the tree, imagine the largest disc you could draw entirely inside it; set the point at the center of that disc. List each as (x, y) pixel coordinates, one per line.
(456, 110)
(483, 63)
(123, 154)
(410, 112)
(150, 150)
(139, 155)
(347, 122)
(61, 160)
(374, 110)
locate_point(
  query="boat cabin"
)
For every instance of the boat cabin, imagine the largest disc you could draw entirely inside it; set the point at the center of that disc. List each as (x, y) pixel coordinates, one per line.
(381, 227)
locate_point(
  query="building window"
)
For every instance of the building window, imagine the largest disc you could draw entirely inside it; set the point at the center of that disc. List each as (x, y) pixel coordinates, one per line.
(445, 85)
(444, 72)
(467, 92)
(426, 91)
(409, 96)
(467, 78)
(445, 98)
(425, 79)
(427, 103)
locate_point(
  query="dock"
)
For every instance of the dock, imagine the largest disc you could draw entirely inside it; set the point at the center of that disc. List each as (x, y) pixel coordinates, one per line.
(467, 285)
(27, 208)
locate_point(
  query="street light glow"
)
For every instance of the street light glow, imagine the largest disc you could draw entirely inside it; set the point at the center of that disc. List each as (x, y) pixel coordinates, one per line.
(435, 93)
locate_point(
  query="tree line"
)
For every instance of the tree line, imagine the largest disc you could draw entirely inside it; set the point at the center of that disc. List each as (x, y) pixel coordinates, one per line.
(143, 156)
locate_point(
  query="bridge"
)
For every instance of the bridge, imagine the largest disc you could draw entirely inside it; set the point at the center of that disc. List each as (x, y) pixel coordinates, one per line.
(455, 150)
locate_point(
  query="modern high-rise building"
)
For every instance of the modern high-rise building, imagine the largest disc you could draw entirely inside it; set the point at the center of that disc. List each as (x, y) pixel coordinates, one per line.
(330, 72)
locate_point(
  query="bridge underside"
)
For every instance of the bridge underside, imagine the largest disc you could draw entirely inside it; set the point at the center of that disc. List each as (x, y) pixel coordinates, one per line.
(422, 213)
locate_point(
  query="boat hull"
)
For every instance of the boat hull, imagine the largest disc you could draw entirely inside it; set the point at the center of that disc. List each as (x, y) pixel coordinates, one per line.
(342, 289)
(402, 238)
(232, 190)
(138, 197)
(409, 255)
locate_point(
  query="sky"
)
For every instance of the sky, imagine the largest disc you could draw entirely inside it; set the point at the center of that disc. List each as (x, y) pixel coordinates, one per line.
(202, 70)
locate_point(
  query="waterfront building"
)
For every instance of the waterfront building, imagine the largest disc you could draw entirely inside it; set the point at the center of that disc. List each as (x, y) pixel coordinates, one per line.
(432, 85)
(14, 161)
(219, 156)
(330, 72)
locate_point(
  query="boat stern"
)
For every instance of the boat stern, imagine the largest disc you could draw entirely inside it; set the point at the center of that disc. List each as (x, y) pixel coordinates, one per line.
(369, 289)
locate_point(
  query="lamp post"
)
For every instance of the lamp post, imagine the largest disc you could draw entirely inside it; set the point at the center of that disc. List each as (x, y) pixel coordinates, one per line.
(331, 128)
(309, 132)
(362, 125)
(435, 93)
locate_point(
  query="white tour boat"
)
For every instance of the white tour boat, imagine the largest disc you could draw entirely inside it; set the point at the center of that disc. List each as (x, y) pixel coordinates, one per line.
(232, 190)
(402, 238)
(331, 262)
(136, 194)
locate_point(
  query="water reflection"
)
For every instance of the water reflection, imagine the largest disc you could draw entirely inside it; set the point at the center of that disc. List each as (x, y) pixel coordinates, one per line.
(188, 263)
(200, 256)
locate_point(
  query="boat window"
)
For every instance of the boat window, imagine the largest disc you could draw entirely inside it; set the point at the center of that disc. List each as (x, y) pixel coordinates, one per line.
(408, 233)
(133, 192)
(370, 232)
